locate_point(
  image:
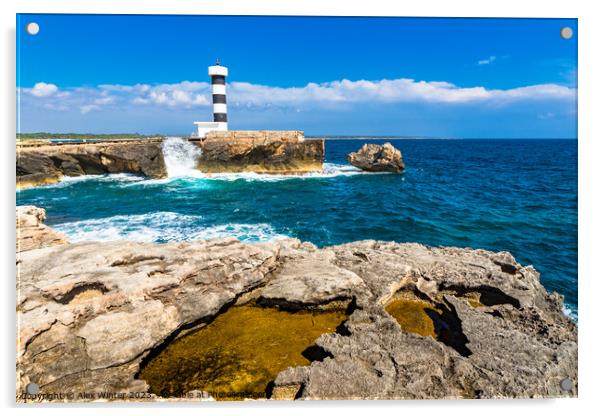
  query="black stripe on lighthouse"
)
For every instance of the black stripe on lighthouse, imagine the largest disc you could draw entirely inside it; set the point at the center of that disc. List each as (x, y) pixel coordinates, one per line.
(218, 87)
(220, 117)
(219, 98)
(218, 79)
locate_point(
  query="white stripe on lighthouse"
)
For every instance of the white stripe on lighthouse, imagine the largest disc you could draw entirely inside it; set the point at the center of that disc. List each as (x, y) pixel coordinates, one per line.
(218, 89)
(219, 108)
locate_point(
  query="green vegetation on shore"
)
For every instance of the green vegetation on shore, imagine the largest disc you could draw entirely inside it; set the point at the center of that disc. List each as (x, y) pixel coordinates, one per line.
(83, 136)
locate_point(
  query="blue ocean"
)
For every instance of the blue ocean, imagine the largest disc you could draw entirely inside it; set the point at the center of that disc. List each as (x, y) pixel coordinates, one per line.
(514, 195)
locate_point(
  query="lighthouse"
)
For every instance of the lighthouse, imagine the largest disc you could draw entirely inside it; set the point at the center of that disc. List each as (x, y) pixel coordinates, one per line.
(218, 74)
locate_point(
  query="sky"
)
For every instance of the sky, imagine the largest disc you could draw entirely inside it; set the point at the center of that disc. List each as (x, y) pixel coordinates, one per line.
(426, 77)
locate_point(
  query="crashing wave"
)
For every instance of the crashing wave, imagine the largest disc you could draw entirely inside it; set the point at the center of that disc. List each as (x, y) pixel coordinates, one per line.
(161, 227)
(180, 157)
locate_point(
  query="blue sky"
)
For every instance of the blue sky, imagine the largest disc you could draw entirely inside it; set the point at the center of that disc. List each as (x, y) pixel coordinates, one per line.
(356, 76)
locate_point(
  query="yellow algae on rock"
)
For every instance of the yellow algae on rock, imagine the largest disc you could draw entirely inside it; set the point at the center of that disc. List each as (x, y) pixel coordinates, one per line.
(238, 354)
(412, 316)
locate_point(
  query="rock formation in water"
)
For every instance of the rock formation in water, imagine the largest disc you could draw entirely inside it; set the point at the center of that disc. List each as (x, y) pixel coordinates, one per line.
(48, 163)
(91, 313)
(281, 152)
(375, 158)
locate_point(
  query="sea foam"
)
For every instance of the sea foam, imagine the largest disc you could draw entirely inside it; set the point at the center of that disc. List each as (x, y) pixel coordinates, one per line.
(193, 176)
(162, 227)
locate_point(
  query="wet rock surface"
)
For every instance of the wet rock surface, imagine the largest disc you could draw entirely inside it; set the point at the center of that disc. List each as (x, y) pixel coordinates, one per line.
(93, 315)
(39, 165)
(376, 158)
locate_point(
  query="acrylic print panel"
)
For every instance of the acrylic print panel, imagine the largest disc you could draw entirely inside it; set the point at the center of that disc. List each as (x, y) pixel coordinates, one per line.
(287, 208)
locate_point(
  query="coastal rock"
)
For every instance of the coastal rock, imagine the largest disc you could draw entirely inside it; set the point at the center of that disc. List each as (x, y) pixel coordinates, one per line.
(261, 153)
(35, 168)
(106, 305)
(32, 233)
(45, 164)
(110, 306)
(307, 279)
(376, 158)
(506, 333)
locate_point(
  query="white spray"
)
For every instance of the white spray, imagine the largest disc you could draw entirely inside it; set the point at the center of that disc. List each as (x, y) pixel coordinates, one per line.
(180, 157)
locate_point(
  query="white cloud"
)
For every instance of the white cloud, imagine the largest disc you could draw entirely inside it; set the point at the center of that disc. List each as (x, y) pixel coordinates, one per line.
(42, 89)
(184, 94)
(340, 94)
(487, 61)
(85, 109)
(104, 100)
(387, 91)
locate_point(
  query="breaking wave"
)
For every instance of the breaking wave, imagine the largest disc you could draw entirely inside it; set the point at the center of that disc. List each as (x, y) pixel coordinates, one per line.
(330, 170)
(180, 157)
(571, 311)
(181, 166)
(161, 227)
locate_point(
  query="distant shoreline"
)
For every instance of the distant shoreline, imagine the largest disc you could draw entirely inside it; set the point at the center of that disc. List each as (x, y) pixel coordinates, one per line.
(67, 137)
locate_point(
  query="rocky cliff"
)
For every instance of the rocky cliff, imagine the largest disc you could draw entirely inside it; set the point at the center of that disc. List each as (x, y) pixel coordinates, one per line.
(283, 152)
(45, 164)
(418, 321)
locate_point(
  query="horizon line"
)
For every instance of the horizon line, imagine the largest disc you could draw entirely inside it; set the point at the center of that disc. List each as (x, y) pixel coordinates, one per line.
(314, 136)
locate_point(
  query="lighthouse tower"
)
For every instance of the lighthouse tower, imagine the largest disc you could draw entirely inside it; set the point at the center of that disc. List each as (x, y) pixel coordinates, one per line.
(218, 76)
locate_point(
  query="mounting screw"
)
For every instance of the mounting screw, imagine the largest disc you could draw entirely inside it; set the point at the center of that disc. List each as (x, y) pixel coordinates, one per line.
(32, 388)
(32, 28)
(566, 32)
(566, 384)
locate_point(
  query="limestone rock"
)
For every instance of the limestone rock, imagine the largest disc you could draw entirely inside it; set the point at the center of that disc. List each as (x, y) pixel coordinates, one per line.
(309, 279)
(292, 136)
(122, 299)
(515, 339)
(260, 154)
(89, 314)
(37, 165)
(375, 158)
(32, 233)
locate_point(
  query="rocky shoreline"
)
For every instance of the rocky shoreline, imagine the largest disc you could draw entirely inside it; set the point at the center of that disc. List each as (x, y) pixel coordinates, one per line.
(420, 322)
(47, 164)
(274, 152)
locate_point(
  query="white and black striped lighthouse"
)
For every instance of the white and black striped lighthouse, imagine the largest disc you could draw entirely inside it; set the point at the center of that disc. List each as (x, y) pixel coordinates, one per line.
(218, 74)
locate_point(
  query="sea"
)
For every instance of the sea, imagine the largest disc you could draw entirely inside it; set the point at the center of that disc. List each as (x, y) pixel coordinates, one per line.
(496, 194)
